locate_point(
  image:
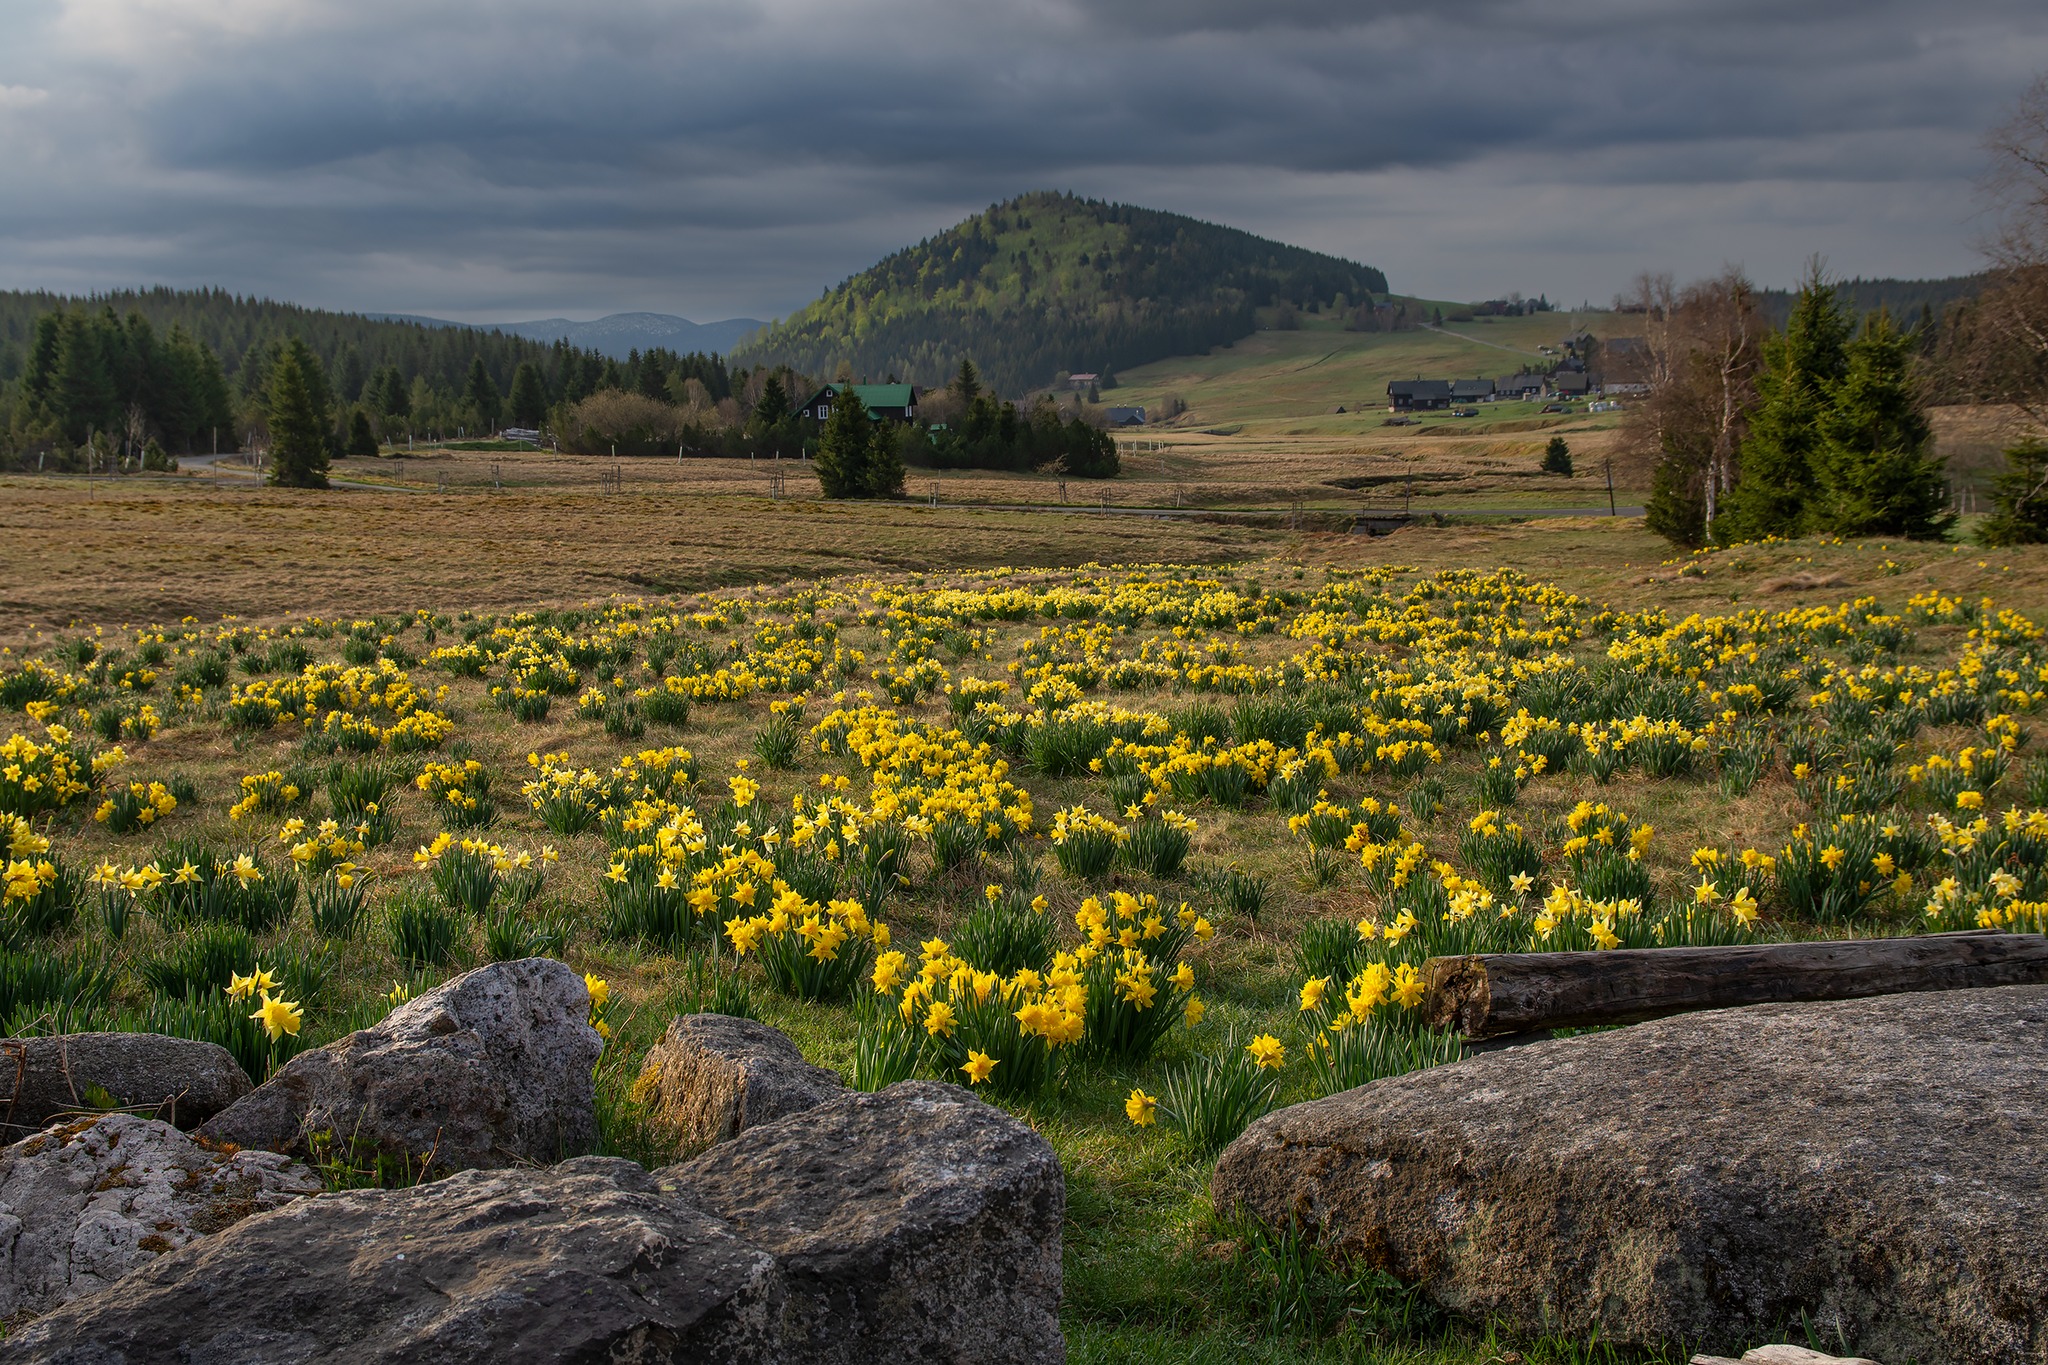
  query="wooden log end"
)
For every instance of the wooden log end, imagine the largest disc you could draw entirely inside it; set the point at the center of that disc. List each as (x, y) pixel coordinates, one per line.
(1458, 995)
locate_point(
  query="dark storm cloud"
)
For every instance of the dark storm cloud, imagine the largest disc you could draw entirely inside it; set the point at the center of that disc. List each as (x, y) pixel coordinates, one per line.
(734, 157)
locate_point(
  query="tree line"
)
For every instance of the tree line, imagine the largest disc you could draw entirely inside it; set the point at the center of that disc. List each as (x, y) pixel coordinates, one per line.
(1820, 426)
(1817, 428)
(861, 458)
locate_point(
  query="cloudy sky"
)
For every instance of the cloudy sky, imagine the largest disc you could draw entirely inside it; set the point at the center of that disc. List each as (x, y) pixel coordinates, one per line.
(525, 158)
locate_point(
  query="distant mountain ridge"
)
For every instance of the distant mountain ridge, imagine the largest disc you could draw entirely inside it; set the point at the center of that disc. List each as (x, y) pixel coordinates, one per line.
(615, 334)
(1049, 282)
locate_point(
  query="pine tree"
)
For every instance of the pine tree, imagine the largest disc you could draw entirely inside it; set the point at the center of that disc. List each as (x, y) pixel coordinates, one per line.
(1872, 464)
(1557, 457)
(1776, 485)
(298, 426)
(883, 477)
(480, 392)
(773, 406)
(362, 437)
(529, 396)
(2020, 494)
(967, 384)
(843, 447)
(81, 390)
(349, 373)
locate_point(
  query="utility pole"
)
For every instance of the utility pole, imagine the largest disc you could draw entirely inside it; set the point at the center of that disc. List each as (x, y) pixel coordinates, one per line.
(1609, 461)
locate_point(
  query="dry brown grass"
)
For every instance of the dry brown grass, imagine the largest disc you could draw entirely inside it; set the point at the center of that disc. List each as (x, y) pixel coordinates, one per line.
(157, 551)
(160, 550)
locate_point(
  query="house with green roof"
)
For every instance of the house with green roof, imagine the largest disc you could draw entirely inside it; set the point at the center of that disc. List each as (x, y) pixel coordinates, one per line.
(884, 402)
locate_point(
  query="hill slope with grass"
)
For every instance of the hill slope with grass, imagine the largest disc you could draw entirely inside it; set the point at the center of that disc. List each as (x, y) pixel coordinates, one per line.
(1292, 383)
(1047, 283)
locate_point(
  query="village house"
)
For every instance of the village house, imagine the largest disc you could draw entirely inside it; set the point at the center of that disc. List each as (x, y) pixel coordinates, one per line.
(1418, 395)
(1124, 417)
(1471, 390)
(885, 402)
(1517, 386)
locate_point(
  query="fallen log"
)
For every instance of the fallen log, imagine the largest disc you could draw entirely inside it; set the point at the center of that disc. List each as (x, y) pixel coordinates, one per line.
(1490, 995)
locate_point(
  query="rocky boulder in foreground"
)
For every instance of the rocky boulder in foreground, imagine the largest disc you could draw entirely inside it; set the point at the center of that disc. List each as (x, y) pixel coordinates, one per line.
(490, 1069)
(1880, 1166)
(85, 1203)
(180, 1080)
(712, 1076)
(914, 1224)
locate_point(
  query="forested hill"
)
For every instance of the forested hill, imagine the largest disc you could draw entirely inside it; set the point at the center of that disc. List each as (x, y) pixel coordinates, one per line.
(235, 328)
(1907, 300)
(191, 367)
(1048, 283)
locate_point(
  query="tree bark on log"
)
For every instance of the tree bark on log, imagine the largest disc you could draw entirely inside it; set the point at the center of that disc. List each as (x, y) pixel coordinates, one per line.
(1489, 995)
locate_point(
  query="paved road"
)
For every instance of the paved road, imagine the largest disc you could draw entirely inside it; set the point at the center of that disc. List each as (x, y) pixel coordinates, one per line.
(212, 463)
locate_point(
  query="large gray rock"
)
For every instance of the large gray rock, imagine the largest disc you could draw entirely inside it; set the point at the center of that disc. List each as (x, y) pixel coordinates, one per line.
(1880, 1166)
(180, 1080)
(490, 1069)
(85, 1203)
(712, 1075)
(917, 1224)
(584, 1262)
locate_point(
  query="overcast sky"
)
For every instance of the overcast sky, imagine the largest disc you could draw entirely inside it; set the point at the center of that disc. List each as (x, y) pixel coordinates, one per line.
(528, 158)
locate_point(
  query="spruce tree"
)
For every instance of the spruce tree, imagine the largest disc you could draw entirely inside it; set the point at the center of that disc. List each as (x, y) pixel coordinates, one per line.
(1876, 475)
(2020, 495)
(1776, 483)
(1557, 457)
(883, 477)
(843, 446)
(81, 390)
(529, 396)
(773, 406)
(298, 427)
(362, 437)
(967, 384)
(480, 392)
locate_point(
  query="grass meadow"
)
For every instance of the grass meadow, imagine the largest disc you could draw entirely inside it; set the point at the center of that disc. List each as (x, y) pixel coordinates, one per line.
(887, 712)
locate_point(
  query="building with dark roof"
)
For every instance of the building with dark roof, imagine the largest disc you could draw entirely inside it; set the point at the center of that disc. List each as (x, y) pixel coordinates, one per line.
(891, 402)
(1418, 395)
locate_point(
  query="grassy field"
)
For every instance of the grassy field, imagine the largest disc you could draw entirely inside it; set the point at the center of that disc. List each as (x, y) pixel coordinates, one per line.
(1292, 383)
(746, 604)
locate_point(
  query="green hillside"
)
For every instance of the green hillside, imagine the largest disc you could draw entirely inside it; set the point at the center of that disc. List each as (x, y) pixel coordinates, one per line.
(1292, 383)
(1048, 283)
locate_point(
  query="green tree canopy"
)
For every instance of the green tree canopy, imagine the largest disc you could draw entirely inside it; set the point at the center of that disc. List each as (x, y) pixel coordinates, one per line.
(1775, 491)
(299, 422)
(883, 477)
(2020, 496)
(529, 400)
(362, 437)
(843, 447)
(480, 392)
(1872, 462)
(773, 406)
